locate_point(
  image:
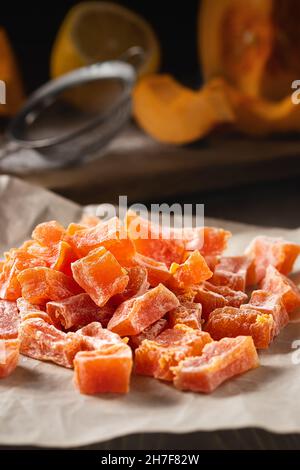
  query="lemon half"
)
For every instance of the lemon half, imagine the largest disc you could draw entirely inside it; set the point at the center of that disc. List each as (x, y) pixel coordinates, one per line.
(99, 31)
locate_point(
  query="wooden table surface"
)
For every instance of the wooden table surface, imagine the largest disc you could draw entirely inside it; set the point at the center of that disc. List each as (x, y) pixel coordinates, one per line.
(272, 203)
(144, 170)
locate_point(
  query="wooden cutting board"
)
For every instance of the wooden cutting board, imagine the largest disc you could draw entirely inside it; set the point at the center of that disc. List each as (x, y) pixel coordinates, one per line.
(135, 165)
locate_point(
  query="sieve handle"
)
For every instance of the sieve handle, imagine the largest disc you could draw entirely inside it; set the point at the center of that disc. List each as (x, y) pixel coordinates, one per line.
(134, 55)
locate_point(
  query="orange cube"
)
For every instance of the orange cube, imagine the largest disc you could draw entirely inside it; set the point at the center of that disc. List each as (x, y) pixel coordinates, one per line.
(109, 235)
(231, 271)
(57, 256)
(136, 314)
(106, 370)
(28, 310)
(9, 320)
(151, 332)
(100, 275)
(71, 229)
(16, 260)
(9, 356)
(156, 358)
(63, 259)
(157, 272)
(212, 297)
(169, 244)
(74, 312)
(193, 271)
(234, 298)
(48, 233)
(137, 285)
(188, 313)
(153, 241)
(209, 300)
(44, 342)
(278, 283)
(265, 251)
(266, 302)
(85, 239)
(40, 285)
(232, 322)
(210, 241)
(93, 336)
(220, 360)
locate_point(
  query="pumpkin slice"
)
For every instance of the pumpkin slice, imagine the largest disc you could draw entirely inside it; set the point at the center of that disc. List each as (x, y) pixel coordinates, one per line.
(256, 116)
(172, 113)
(235, 40)
(254, 45)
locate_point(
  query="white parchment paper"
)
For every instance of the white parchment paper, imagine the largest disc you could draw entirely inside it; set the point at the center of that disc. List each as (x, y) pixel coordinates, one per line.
(40, 406)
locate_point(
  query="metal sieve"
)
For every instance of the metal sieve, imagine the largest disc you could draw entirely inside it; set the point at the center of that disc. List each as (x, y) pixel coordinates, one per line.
(76, 115)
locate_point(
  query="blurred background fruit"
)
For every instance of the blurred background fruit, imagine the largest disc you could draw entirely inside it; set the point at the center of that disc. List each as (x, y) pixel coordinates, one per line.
(99, 31)
(253, 44)
(172, 113)
(10, 75)
(249, 55)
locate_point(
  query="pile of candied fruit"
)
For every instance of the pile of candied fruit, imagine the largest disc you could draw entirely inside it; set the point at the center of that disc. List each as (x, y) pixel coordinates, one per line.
(106, 301)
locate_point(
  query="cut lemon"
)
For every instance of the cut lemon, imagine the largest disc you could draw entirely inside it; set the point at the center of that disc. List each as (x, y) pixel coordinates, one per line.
(99, 31)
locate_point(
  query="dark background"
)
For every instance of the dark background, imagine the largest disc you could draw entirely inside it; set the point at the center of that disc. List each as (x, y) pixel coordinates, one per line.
(32, 27)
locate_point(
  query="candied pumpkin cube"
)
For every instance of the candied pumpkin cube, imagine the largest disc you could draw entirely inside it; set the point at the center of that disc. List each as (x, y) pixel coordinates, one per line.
(109, 235)
(154, 241)
(74, 312)
(42, 341)
(219, 361)
(57, 256)
(212, 297)
(266, 302)
(9, 319)
(151, 332)
(210, 241)
(156, 358)
(106, 370)
(231, 271)
(40, 285)
(234, 298)
(209, 300)
(16, 260)
(278, 283)
(231, 322)
(28, 310)
(9, 356)
(94, 336)
(193, 271)
(187, 313)
(157, 272)
(265, 251)
(136, 314)
(137, 285)
(64, 258)
(100, 275)
(48, 233)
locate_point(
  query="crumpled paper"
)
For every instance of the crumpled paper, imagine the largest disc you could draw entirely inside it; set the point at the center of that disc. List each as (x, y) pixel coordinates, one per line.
(40, 406)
